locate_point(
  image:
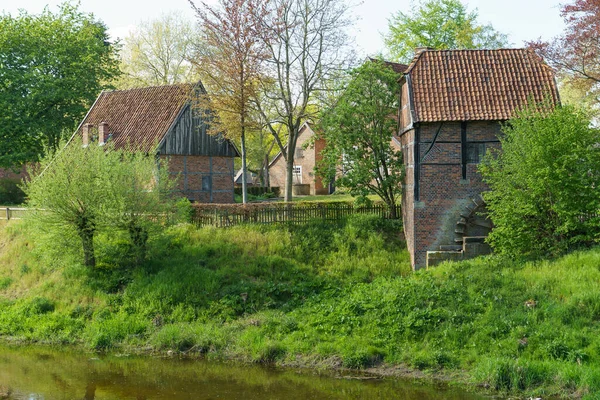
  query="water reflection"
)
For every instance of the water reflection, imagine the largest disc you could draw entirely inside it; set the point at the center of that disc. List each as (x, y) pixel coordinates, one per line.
(37, 373)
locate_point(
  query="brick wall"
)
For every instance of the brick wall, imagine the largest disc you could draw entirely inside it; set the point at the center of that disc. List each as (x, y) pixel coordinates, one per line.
(443, 185)
(8, 173)
(192, 169)
(319, 187)
(407, 142)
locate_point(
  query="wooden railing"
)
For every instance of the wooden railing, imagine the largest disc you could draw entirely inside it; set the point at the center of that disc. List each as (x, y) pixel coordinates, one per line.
(223, 215)
(9, 213)
(295, 213)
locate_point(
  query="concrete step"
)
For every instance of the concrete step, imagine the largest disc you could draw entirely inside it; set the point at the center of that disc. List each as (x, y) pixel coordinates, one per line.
(478, 201)
(482, 222)
(451, 247)
(436, 257)
(474, 239)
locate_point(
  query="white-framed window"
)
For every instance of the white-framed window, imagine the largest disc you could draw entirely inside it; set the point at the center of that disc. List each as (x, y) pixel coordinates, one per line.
(297, 174)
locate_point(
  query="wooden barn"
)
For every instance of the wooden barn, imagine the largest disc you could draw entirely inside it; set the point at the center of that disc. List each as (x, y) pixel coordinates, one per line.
(162, 121)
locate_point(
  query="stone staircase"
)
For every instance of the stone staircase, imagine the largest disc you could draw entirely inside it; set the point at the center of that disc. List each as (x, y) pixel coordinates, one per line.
(469, 236)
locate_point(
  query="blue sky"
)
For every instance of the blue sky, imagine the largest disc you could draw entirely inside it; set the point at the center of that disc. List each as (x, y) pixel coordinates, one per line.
(522, 20)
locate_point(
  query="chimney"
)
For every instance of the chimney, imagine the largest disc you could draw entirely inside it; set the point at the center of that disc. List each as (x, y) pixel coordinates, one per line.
(86, 134)
(419, 50)
(102, 133)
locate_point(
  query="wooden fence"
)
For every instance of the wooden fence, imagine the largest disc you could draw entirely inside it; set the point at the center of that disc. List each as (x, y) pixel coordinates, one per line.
(12, 212)
(295, 213)
(223, 215)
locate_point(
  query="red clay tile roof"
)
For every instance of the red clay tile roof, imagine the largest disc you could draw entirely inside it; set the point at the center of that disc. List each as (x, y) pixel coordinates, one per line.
(463, 85)
(139, 117)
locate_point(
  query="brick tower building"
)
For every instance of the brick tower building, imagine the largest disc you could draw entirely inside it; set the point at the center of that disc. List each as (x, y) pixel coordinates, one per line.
(452, 105)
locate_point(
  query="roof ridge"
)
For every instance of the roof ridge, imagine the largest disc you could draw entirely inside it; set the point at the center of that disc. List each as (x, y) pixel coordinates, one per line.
(474, 50)
(477, 84)
(417, 56)
(181, 84)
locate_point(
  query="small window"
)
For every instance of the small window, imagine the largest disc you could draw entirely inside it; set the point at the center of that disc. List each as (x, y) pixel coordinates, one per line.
(299, 153)
(475, 152)
(297, 173)
(206, 183)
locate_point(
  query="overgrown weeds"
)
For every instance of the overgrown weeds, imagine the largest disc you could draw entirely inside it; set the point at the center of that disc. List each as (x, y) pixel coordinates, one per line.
(336, 295)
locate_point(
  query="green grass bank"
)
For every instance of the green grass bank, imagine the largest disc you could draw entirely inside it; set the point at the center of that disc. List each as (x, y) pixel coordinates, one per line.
(317, 296)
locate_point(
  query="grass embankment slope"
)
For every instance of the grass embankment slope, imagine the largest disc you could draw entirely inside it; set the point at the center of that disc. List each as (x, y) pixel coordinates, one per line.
(317, 296)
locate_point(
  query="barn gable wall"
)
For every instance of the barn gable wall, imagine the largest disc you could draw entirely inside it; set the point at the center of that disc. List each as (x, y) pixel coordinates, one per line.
(188, 136)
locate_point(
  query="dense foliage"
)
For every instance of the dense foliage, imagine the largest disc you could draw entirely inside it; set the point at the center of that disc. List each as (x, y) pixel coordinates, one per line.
(85, 189)
(52, 67)
(575, 54)
(10, 192)
(440, 24)
(157, 52)
(544, 183)
(358, 131)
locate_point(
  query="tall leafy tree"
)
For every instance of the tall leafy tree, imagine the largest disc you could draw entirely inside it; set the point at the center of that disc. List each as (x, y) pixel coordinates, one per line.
(358, 132)
(157, 52)
(307, 46)
(230, 63)
(543, 196)
(261, 149)
(439, 24)
(576, 53)
(52, 67)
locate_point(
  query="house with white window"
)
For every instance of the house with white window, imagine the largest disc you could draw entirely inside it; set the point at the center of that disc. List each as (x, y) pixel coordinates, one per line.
(306, 156)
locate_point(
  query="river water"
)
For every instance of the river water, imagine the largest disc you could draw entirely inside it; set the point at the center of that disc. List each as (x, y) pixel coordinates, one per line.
(42, 373)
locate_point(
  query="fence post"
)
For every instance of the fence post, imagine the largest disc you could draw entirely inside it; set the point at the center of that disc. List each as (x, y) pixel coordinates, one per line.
(7, 213)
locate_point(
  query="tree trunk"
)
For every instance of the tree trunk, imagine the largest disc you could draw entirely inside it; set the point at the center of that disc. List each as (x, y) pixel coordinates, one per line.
(266, 172)
(393, 210)
(244, 167)
(289, 177)
(87, 240)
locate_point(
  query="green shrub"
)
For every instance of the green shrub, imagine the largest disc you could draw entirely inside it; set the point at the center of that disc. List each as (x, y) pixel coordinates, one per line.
(184, 211)
(543, 195)
(11, 192)
(38, 305)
